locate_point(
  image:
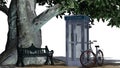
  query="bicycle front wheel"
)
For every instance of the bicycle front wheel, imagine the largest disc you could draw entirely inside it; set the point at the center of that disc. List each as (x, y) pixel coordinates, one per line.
(87, 58)
(99, 58)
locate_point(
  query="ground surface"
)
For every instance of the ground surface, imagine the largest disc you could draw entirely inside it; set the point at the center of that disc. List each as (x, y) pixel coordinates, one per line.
(105, 66)
(60, 66)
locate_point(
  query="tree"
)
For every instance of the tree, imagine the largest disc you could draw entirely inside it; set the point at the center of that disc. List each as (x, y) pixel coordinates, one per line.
(25, 25)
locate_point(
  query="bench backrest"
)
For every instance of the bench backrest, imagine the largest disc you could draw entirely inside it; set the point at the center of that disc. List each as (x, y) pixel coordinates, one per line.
(32, 51)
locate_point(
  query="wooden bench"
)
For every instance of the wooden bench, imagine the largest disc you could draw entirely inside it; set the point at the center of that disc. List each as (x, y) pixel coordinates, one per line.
(32, 51)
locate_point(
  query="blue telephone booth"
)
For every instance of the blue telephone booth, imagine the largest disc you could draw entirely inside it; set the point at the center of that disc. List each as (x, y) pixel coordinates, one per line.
(77, 34)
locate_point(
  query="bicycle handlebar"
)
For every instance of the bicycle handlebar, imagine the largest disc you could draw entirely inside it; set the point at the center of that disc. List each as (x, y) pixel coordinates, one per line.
(94, 40)
(91, 42)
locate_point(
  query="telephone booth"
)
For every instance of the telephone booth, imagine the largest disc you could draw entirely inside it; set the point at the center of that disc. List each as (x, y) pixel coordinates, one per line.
(77, 36)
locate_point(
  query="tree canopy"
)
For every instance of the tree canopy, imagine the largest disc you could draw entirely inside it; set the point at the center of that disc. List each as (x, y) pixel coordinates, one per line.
(95, 9)
(107, 10)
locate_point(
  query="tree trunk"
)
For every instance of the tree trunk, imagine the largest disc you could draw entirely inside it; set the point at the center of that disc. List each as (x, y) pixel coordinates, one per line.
(25, 29)
(27, 34)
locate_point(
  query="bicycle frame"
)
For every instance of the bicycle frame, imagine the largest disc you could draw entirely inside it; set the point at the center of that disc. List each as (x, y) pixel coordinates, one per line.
(90, 47)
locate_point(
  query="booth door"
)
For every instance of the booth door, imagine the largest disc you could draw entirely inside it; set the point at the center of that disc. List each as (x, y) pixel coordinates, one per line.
(77, 37)
(73, 48)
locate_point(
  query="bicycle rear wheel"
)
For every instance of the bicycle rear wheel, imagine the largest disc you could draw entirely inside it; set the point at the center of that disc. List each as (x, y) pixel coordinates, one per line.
(87, 58)
(99, 58)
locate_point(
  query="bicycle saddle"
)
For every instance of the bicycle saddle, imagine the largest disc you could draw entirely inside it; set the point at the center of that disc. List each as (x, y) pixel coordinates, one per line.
(97, 46)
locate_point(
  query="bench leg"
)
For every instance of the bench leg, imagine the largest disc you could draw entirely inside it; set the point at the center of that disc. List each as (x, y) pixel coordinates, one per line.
(20, 61)
(22, 64)
(51, 59)
(17, 64)
(46, 62)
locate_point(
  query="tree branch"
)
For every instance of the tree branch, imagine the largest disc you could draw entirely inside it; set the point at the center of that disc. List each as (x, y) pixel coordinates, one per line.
(44, 17)
(4, 9)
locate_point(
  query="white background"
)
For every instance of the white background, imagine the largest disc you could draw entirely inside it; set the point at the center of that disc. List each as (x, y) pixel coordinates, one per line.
(53, 35)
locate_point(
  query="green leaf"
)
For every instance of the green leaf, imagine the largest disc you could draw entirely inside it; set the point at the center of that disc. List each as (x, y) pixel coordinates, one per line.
(103, 19)
(98, 19)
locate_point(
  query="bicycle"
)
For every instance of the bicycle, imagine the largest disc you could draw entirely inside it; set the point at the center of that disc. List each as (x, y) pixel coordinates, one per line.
(88, 58)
